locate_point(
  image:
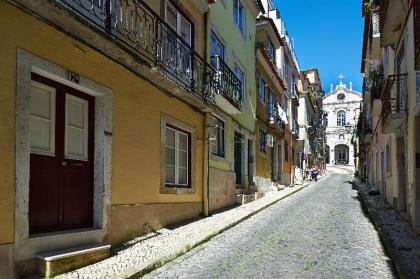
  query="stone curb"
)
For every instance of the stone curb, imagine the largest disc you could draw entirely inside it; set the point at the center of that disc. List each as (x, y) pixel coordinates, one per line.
(390, 245)
(168, 258)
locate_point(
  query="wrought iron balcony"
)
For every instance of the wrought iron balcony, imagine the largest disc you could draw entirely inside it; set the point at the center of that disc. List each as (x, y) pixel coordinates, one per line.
(394, 102)
(294, 95)
(376, 87)
(295, 127)
(133, 25)
(227, 82)
(367, 131)
(273, 115)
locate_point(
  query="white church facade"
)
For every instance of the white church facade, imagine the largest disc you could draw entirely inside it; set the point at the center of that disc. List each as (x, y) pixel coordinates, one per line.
(341, 107)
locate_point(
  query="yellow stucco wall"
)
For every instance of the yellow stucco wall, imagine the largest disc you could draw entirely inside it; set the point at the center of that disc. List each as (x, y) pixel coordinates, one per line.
(136, 115)
(263, 159)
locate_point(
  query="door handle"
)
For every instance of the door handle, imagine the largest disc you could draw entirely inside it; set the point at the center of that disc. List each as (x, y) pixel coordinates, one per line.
(64, 163)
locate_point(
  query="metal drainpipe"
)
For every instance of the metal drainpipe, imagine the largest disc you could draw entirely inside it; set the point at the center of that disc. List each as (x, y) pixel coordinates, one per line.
(206, 151)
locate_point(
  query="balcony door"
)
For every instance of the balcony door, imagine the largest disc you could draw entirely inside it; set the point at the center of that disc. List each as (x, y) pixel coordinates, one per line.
(217, 49)
(177, 46)
(61, 159)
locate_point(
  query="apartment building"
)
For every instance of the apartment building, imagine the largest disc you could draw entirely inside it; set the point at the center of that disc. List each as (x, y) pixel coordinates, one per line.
(389, 122)
(231, 48)
(287, 66)
(311, 117)
(271, 116)
(109, 109)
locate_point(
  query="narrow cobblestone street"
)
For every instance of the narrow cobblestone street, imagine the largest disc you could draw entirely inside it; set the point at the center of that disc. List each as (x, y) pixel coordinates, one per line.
(320, 232)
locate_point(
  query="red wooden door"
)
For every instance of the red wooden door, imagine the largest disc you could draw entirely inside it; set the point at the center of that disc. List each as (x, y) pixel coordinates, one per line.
(61, 163)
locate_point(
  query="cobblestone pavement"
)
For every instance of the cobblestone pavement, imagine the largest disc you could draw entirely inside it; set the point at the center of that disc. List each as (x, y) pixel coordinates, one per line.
(322, 232)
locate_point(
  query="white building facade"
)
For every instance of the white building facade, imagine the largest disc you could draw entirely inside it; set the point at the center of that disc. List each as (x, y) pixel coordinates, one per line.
(342, 108)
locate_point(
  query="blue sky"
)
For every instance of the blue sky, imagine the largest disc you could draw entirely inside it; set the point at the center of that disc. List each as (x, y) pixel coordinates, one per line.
(328, 35)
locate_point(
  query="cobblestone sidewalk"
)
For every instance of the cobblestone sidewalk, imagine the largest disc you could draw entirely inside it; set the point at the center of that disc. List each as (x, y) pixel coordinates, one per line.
(401, 241)
(149, 252)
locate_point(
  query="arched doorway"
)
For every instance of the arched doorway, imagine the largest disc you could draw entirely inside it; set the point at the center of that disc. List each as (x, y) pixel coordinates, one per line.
(341, 154)
(327, 154)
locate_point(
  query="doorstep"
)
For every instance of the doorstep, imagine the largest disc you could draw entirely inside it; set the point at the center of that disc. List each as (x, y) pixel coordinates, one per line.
(144, 254)
(56, 262)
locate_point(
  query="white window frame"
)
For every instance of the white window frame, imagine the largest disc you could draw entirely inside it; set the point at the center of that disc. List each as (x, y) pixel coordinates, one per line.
(243, 20)
(86, 130)
(340, 119)
(224, 137)
(188, 135)
(52, 91)
(178, 21)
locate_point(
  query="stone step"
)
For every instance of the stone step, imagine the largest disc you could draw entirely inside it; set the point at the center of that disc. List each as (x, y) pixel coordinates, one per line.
(53, 263)
(243, 199)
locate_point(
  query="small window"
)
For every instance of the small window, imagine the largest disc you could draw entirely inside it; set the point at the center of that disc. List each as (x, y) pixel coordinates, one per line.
(42, 119)
(217, 143)
(341, 137)
(239, 15)
(341, 96)
(262, 141)
(270, 102)
(341, 118)
(286, 151)
(76, 128)
(271, 51)
(241, 76)
(261, 89)
(177, 157)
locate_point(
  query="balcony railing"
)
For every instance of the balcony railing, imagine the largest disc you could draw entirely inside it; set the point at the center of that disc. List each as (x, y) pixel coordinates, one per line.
(294, 94)
(376, 88)
(295, 127)
(135, 26)
(273, 115)
(227, 82)
(394, 96)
